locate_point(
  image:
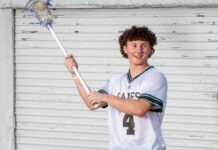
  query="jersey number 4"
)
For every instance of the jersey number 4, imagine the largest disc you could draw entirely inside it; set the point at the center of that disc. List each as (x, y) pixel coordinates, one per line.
(128, 121)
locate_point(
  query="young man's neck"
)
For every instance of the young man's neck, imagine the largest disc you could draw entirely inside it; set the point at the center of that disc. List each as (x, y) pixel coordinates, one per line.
(136, 70)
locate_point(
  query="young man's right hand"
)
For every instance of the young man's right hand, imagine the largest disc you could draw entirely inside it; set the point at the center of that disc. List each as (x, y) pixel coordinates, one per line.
(69, 63)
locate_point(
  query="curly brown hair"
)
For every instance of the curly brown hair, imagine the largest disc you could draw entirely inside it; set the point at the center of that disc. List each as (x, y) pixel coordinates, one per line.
(137, 33)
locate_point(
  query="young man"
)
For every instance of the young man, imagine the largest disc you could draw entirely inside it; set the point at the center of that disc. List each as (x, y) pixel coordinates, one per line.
(137, 99)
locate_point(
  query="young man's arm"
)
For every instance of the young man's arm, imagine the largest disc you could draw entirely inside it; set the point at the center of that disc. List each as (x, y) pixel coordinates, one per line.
(69, 62)
(128, 106)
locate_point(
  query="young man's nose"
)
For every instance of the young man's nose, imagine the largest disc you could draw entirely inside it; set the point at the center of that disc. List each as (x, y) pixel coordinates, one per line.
(139, 48)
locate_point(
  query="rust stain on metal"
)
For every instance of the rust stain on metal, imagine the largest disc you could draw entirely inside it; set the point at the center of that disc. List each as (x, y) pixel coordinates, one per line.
(212, 40)
(212, 57)
(200, 15)
(23, 39)
(76, 31)
(29, 31)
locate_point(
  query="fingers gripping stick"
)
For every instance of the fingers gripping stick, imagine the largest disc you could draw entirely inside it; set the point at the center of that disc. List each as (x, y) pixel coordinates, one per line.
(40, 10)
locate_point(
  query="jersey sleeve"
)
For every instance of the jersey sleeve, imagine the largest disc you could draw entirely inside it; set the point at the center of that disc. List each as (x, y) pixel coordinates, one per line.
(155, 92)
(105, 88)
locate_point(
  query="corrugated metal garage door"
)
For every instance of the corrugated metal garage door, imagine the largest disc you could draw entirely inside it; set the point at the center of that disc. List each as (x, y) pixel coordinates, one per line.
(51, 116)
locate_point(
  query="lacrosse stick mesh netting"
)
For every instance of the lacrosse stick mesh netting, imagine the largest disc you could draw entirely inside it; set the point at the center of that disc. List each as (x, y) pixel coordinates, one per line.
(40, 9)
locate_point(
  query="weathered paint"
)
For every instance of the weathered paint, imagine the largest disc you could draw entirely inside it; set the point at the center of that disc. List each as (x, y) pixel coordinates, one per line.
(115, 3)
(50, 114)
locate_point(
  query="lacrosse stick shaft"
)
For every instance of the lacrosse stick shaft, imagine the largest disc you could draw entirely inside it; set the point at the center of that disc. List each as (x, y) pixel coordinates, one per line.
(57, 40)
(65, 54)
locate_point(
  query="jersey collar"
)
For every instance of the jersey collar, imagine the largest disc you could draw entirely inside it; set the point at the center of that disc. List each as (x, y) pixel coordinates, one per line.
(130, 79)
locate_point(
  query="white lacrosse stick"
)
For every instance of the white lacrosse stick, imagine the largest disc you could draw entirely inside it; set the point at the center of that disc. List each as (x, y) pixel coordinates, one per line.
(40, 10)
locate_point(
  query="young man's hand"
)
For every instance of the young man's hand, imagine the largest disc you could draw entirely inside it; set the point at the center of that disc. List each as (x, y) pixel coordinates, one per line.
(69, 63)
(95, 97)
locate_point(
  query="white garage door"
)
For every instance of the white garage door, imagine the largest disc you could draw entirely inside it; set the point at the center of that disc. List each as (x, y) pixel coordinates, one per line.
(49, 112)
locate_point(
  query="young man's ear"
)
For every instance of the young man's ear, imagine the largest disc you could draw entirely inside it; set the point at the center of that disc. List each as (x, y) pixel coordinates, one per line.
(150, 52)
(125, 49)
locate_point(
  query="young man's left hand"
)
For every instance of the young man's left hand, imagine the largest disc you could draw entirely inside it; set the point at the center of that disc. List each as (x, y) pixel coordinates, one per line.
(95, 97)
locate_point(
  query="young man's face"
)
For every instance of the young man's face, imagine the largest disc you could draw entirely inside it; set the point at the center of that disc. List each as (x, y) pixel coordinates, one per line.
(137, 52)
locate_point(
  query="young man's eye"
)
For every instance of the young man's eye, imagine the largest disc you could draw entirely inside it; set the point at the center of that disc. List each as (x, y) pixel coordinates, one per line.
(134, 46)
(144, 46)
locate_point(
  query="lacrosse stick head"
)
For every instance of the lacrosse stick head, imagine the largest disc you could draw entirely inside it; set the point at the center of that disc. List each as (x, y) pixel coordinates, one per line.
(40, 9)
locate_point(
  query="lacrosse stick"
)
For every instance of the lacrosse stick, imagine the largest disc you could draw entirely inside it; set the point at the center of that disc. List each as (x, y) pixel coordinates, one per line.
(40, 10)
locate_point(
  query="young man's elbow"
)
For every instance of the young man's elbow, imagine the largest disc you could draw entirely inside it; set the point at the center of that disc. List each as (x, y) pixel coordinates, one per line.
(143, 108)
(91, 108)
(141, 113)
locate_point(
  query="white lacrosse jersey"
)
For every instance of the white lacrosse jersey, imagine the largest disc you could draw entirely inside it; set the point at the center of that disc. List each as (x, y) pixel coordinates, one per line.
(127, 132)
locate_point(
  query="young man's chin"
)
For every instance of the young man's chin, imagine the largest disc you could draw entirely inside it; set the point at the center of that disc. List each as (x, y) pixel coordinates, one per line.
(139, 64)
